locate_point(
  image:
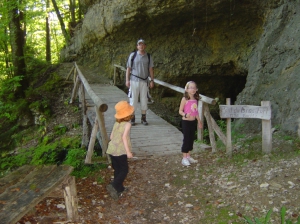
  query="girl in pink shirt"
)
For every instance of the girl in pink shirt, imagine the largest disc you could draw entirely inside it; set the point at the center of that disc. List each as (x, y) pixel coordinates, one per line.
(189, 111)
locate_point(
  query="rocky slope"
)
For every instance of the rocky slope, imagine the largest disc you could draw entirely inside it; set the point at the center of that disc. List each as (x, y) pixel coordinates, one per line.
(243, 50)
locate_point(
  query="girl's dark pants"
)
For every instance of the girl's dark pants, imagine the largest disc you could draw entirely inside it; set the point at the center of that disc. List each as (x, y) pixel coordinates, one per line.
(188, 129)
(120, 166)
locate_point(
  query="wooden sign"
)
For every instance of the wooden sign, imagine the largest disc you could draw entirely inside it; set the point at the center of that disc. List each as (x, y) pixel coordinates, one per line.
(245, 111)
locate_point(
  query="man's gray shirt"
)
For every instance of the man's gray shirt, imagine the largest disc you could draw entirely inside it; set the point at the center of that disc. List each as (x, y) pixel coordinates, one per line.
(140, 67)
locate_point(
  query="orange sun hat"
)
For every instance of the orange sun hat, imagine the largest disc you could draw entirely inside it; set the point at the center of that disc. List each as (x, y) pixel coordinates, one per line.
(123, 109)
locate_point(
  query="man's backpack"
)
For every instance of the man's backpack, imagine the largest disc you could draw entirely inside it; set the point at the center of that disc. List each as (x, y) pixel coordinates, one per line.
(134, 55)
(132, 59)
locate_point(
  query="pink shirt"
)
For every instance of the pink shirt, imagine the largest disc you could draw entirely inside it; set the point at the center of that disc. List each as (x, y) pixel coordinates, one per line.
(191, 107)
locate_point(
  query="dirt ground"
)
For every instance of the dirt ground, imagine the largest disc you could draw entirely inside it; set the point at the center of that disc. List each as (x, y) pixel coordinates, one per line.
(217, 189)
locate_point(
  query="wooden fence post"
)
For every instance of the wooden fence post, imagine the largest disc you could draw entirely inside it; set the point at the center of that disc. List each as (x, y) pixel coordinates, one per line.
(266, 131)
(85, 127)
(228, 132)
(68, 76)
(115, 76)
(88, 158)
(210, 128)
(103, 131)
(71, 200)
(200, 111)
(74, 76)
(75, 89)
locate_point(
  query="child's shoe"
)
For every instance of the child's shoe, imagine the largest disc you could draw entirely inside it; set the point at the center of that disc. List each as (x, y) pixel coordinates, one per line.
(191, 160)
(185, 162)
(112, 191)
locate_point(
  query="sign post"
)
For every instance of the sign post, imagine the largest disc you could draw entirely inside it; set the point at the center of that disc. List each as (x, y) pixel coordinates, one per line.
(266, 130)
(228, 132)
(247, 111)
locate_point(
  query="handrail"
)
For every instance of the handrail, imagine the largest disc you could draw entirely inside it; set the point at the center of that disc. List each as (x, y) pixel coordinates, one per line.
(97, 101)
(181, 90)
(176, 88)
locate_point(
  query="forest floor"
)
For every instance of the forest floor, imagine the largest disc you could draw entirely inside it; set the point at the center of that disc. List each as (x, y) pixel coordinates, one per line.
(217, 189)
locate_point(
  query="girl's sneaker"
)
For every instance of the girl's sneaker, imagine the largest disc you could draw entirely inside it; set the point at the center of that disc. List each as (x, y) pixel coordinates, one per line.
(191, 160)
(185, 162)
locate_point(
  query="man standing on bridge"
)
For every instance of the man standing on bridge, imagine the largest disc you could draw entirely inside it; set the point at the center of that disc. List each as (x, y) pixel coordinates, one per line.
(139, 69)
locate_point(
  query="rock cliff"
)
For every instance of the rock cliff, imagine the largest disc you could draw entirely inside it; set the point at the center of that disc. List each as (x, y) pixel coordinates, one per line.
(244, 50)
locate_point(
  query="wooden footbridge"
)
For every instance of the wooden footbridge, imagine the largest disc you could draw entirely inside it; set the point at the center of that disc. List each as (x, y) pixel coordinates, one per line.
(98, 100)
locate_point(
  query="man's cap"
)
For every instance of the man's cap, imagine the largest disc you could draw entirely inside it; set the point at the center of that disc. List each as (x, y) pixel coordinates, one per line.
(141, 41)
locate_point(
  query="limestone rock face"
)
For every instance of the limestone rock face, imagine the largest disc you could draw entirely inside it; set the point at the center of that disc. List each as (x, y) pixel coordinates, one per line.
(243, 50)
(274, 69)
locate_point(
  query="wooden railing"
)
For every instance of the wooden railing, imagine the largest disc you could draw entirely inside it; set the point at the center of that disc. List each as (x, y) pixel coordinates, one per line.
(81, 84)
(203, 109)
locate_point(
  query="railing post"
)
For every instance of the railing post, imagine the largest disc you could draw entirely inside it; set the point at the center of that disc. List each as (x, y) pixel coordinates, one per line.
(201, 116)
(75, 89)
(85, 128)
(89, 154)
(71, 200)
(210, 128)
(115, 75)
(74, 76)
(68, 76)
(103, 131)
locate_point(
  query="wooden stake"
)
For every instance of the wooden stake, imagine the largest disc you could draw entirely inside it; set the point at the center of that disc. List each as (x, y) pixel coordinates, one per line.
(75, 90)
(115, 76)
(103, 131)
(200, 111)
(74, 76)
(210, 128)
(68, 76)
(85, 127)
(71, 200)
(88, 158)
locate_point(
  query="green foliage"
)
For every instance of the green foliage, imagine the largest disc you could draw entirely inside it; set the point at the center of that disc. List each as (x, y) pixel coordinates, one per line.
(100, 180)
(76, 158)
(44, 153)
(60, 129)
(7, 88)
(10, 111)
(66, 151)
(222, 125)
(266, 219)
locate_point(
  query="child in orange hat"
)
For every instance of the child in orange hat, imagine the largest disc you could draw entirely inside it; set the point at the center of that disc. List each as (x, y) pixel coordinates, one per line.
(119, 148)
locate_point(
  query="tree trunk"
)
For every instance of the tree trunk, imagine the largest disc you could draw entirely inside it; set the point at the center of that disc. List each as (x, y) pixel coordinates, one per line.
(17, 48)
(79, 14)
(62, 25)
(48, 42)
(72, 11)
(4, 48)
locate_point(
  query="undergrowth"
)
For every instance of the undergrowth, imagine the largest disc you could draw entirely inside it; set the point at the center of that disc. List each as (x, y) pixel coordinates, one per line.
(66, 151)
(24, 124)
